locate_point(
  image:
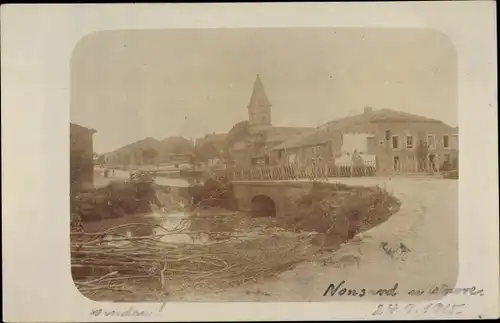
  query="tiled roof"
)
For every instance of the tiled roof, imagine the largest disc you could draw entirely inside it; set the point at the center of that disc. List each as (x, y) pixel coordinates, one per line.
(281, 134)
(358, 123)
(274, 135)
(393, 115)
(289, 130)
(319, 135)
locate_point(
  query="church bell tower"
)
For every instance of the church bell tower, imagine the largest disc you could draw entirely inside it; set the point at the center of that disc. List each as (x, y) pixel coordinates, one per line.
(259, 107)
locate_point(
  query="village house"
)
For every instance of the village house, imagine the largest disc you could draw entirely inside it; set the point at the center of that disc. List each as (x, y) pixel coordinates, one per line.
(81, 157)
(262, 135)
(386, 139)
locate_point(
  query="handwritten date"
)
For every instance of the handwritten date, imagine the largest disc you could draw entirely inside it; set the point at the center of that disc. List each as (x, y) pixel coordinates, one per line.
(425, 309)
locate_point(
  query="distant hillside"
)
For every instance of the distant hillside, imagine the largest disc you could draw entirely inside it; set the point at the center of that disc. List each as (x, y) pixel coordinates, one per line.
(149, 151)
(176, 145)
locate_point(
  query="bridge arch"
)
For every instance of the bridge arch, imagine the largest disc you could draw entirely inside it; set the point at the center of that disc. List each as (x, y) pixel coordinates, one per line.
(263, 206)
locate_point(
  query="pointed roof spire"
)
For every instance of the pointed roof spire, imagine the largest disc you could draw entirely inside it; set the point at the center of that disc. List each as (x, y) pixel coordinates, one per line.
(259, 98)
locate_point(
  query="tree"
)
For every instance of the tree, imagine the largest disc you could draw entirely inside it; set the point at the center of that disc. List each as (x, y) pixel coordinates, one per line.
(176, 145)
(182, 146)
(100, 160)
(206, 151)
(238, 132)
(422, 152)
(149, 155)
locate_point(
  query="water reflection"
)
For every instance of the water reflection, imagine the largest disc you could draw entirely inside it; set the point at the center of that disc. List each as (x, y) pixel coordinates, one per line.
(181, 228)
(186, 228)
(177, 229)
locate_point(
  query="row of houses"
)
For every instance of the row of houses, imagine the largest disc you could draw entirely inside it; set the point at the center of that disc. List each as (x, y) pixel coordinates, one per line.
(389, 140)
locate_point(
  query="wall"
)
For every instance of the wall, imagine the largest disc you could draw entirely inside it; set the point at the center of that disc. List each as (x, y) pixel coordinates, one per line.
(362, 142)
(419, 130)
(355, 141)
(241, 158)
(81, 157)
(253, 146)
(305, 155)
(328, 150)
(259, 116)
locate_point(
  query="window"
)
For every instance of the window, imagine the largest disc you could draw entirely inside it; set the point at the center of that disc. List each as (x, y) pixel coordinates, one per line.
(446, 141)
(396, 162)
(409, 142)
(447, 158)
(431, 142)
(387, 134)
(395, 142)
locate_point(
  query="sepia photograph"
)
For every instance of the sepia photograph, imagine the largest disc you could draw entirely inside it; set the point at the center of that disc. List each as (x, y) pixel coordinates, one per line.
(249, 162)
(215, 164)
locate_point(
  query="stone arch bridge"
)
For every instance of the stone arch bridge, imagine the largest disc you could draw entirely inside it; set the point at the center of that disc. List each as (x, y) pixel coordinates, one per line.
(270, 198)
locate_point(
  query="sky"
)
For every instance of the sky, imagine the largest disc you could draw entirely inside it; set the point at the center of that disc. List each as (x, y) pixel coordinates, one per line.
(129, 85)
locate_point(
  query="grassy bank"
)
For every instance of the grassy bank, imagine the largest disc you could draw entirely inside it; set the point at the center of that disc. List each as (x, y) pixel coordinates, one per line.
(338, 212)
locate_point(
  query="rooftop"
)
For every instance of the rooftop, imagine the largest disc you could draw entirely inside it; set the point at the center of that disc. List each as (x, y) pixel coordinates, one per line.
(259, 98)
(357, 123)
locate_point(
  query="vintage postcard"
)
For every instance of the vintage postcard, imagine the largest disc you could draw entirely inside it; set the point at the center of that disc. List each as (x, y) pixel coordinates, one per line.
(239, 162)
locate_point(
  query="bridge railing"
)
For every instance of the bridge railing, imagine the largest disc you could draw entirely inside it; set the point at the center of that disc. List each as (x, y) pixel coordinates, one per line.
(290, 172)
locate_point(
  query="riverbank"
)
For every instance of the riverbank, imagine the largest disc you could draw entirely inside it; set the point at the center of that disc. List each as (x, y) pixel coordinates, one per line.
(427, 224)
(279, 245)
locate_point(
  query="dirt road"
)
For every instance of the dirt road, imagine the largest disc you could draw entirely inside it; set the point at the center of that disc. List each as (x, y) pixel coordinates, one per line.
(427, 224)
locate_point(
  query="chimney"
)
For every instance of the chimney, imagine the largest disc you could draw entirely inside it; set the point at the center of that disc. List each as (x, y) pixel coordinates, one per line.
(368, 110)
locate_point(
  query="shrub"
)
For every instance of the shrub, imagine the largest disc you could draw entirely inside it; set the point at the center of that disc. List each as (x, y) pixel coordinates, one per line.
(215, 191)
(117, 199)
(340, 212)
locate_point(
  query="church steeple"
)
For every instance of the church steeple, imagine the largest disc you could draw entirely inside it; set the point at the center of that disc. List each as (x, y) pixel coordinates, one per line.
(259, 107)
